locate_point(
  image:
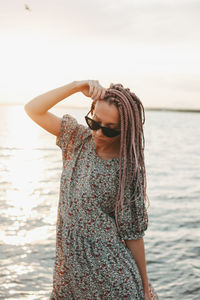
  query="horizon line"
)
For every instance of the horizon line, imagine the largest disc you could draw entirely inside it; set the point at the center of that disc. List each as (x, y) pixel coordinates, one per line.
(148, 108)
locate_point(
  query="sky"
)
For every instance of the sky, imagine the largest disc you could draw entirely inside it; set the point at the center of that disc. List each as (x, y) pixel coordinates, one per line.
(150, 46)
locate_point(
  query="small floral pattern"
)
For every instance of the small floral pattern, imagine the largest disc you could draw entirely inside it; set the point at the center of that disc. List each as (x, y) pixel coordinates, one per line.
(92, 262)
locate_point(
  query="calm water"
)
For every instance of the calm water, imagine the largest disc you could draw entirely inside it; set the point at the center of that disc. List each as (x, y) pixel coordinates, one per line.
(31, 165)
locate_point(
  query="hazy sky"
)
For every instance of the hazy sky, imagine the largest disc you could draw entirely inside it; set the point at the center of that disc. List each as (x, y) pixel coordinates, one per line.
(150, 46)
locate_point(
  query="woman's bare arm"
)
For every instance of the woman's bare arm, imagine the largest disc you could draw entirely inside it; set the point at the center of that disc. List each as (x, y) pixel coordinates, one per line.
(138, 251)
(37, 108)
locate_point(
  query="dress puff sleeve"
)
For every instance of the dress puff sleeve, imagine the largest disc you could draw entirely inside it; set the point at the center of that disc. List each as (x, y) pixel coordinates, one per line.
(72, 135)
(134, 220)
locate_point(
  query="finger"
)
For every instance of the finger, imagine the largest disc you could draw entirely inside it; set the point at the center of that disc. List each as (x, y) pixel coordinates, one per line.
(103, 93)
(95, 90)
(94, 94)
(99, 92)
(91, 87)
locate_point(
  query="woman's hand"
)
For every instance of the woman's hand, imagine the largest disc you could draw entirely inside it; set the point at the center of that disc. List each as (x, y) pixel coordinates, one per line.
(148, 296)
(91, 88)
(148, 293)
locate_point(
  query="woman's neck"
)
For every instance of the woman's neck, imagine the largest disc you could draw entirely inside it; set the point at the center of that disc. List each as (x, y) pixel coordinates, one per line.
(107, 152)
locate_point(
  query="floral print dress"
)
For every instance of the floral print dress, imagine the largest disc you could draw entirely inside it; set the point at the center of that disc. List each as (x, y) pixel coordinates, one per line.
(92, 262)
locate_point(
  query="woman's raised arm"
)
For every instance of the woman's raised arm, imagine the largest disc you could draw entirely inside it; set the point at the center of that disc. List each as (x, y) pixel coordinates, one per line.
(37, 108)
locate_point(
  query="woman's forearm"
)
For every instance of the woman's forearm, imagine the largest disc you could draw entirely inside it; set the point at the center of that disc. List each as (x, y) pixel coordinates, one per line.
(138, 251)
(44, 102)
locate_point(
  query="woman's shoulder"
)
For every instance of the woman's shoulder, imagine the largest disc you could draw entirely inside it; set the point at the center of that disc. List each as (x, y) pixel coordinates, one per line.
(72, 134)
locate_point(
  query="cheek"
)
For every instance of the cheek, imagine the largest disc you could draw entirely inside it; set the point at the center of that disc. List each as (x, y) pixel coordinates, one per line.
(117, 139)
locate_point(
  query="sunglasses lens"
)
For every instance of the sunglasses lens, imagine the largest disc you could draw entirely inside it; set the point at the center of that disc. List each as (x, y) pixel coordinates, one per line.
(109, 132)
(92, 124)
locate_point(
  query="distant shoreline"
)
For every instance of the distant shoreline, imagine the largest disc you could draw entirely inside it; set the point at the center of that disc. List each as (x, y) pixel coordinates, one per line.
(172, 109)
(192, 110)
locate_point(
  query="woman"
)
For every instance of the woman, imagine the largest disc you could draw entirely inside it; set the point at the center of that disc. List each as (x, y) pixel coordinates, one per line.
(101, 214)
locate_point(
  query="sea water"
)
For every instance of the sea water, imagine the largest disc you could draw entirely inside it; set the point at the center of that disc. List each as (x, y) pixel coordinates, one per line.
(30, 170)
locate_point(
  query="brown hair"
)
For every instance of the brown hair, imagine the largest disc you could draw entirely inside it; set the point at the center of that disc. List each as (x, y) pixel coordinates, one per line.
(132, 166)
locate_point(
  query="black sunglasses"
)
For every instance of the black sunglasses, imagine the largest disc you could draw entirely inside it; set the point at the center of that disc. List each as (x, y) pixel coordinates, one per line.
(107, 131)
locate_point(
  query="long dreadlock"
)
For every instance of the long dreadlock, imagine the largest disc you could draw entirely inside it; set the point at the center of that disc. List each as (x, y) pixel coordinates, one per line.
(132, 165)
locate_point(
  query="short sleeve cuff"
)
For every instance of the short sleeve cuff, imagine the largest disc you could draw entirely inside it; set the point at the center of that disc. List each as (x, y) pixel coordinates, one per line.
(128, 236)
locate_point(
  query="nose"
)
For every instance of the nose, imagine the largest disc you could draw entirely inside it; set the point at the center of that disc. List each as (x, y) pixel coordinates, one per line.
(99, 132)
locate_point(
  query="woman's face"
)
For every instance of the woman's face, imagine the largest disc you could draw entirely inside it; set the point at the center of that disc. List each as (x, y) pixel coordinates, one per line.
(107, 115)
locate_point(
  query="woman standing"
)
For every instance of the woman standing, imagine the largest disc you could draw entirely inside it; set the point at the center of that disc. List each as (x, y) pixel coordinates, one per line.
(101, 213)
